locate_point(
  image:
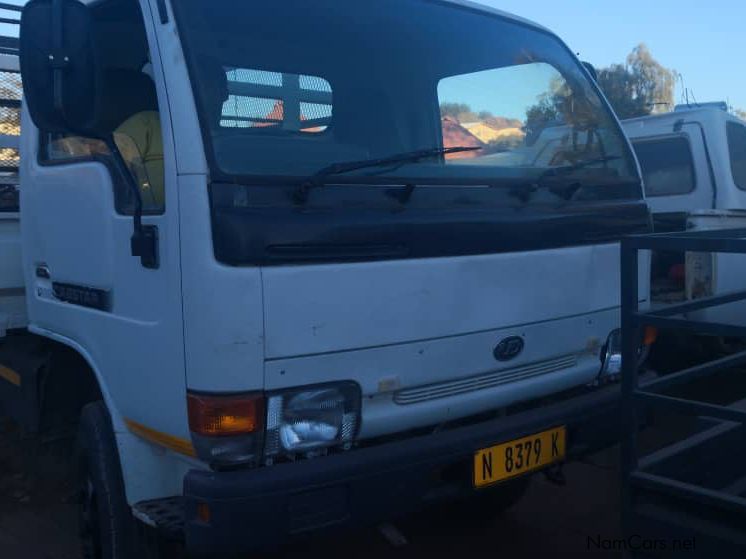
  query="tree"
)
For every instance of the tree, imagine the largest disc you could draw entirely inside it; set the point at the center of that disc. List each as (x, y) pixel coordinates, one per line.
(541, 115)
(638, 87)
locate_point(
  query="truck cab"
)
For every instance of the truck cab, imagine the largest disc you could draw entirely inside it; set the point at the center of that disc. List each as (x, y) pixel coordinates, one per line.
(693, 162)
(283, 288)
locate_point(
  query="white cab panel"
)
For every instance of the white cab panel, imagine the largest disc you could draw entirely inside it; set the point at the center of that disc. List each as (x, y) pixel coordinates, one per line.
(319, 309)
(382, 372)
(223, 314)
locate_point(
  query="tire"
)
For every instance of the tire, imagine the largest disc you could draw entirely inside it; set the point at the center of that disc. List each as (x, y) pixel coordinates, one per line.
(107, 527)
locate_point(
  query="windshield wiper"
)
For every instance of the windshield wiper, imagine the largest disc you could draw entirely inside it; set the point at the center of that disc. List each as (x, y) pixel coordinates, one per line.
(565, 190)
(319, 178)
(582, 164)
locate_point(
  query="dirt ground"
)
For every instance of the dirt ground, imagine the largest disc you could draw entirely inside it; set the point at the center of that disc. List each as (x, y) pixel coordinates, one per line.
(38, 516)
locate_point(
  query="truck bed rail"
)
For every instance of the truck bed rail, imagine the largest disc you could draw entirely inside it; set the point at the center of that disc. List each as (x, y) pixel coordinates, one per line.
(11, 94)
(695, 489)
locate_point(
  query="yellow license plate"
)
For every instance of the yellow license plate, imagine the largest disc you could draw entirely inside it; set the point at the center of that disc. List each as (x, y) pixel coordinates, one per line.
(509, 460)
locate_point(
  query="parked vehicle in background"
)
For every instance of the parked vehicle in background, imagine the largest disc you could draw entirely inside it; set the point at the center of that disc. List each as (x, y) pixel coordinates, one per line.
(693, 163)
(270, 290)
(12, 300)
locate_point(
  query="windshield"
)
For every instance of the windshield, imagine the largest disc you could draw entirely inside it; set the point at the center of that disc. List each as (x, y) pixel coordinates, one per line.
(290, 87)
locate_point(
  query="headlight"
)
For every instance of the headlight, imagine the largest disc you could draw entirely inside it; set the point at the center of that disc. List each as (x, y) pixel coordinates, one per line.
(611, 354)
(312, 418)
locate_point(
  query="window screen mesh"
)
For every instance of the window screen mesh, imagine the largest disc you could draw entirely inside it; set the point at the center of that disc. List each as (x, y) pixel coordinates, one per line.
(277, 102)
(10, 119)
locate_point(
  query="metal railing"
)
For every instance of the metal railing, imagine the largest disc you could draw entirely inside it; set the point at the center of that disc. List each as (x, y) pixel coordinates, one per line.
(639, 473)
(9, 45)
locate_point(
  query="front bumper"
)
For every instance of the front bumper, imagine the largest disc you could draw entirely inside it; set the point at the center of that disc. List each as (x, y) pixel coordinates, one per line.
(262, 508)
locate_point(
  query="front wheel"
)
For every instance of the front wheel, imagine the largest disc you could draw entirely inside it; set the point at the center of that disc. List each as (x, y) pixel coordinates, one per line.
(107, 527)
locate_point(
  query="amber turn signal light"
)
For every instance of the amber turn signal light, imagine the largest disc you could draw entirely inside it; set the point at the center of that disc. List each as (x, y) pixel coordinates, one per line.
(651, 335)
(225, 416)
(203, 513)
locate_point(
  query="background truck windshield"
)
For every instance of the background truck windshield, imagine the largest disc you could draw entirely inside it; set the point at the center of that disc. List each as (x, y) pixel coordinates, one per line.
(288, 87)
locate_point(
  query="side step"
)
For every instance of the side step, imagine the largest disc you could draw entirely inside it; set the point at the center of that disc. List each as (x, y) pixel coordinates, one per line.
(165, 515)
(161, 527)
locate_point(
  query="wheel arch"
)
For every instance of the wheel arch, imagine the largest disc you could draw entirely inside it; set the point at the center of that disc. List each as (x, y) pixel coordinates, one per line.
(78, 369)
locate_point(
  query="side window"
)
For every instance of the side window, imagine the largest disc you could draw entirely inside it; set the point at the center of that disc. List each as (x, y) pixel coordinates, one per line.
(737, 151)
(139, 142)
(130, 104)
(667, 165)
(277, 103)
(62, 148)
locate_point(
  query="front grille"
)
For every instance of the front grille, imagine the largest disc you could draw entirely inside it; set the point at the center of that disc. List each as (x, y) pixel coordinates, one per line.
(481, 382)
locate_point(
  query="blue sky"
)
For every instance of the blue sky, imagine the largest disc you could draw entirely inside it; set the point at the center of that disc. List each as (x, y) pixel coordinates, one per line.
(704, 40)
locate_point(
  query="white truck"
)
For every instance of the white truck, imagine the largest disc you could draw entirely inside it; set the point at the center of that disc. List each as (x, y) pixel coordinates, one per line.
(693, 162)
(267, 295)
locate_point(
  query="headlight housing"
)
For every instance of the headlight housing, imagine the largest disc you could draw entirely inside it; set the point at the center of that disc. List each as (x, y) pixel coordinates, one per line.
(310, 419)
(611, 354)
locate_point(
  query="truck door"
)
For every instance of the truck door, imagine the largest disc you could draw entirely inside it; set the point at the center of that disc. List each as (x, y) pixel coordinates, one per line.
(86, 287)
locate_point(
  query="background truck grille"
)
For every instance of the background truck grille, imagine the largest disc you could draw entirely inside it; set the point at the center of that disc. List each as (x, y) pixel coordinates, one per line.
(481, 382)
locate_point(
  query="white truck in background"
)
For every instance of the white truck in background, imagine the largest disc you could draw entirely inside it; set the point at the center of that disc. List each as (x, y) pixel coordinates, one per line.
(270, 299)
(12, 284)
(693, 162)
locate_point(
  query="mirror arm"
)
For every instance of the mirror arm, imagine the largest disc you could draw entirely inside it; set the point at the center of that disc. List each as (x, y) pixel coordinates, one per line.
(144, 242)
(54, 62)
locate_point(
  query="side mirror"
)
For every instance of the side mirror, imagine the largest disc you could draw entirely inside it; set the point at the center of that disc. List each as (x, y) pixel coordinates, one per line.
(65, 87)
(58, 65)
(591, 70)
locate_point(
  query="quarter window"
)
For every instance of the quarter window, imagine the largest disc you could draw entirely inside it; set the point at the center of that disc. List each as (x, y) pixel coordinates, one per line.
(737, 151)
(667, 165)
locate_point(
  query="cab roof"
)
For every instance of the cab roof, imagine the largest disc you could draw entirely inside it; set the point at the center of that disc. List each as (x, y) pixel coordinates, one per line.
(696, 112)
(494, 11)
(462, 3)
